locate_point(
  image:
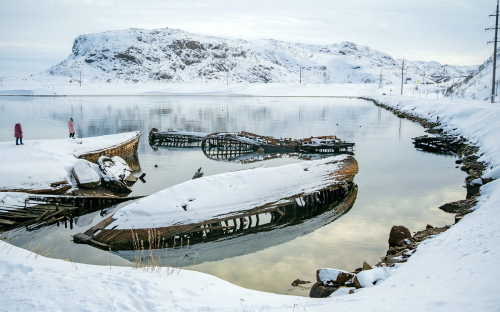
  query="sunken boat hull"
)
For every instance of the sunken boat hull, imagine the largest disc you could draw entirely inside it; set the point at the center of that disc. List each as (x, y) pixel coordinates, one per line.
(290, 209)
(256, 232)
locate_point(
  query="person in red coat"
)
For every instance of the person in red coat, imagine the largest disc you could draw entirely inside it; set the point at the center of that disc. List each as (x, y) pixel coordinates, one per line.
(71, 126)
(18, 133)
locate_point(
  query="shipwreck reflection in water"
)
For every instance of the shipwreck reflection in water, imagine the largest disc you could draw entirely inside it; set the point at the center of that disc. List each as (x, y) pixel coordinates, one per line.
(244, 233)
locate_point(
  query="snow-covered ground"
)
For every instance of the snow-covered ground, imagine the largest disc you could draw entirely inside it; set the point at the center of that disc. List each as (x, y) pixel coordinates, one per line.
(454, 271)
(38, 163)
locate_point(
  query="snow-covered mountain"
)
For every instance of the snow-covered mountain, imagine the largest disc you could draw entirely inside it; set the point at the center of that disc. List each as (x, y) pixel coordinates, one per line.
(169, 55)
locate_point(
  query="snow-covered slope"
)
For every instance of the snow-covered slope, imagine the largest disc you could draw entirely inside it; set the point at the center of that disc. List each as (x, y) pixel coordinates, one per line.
(169, 55)
(477, 86)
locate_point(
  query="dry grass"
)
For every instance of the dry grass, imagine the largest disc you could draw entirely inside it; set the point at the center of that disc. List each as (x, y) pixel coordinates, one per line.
(152, 258)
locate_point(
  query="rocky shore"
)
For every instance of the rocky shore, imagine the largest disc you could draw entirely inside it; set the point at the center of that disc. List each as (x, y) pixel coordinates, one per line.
(402, 244)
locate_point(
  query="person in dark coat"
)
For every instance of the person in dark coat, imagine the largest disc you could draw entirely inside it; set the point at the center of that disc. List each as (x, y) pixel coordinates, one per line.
(18, 133)
(71, 126)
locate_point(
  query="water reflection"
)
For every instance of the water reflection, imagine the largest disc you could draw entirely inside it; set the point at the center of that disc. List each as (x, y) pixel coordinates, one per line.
(397, 183)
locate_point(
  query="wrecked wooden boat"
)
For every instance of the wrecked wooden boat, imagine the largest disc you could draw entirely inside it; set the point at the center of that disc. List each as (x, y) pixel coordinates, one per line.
(116, 174)
(22, 210)
(123, 149)
(246, 234)
(224, 145)
(325, 144)
(175, 138)
(223, 201)
(442, 145)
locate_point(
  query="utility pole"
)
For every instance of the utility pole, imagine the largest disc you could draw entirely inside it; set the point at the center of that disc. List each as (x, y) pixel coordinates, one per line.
(402, 75)
(494, 55)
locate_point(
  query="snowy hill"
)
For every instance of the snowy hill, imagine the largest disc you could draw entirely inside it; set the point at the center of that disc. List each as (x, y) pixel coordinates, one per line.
(477, 86)
(169, 55)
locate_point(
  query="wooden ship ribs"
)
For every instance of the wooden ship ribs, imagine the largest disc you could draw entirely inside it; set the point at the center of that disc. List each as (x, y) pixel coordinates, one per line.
(174, 138)
(229, 146)
(43, 210)
(442, 144)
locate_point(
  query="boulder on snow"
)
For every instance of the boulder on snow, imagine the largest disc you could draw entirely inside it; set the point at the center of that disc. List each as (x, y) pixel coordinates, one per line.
(320, 291)
(85, 175)
(334, 277)
(398, 233)
(366, 266)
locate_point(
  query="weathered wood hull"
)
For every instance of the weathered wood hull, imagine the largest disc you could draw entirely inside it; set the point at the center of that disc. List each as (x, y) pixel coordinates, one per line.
(123, 150)
(305, 214)
(302, 204)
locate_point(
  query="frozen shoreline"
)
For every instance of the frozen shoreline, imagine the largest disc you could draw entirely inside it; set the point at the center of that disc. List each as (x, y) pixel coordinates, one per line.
(38, 163)
(455, 270)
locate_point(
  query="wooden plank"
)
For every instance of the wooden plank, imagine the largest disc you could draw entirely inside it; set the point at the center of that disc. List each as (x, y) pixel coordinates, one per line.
(8, 222)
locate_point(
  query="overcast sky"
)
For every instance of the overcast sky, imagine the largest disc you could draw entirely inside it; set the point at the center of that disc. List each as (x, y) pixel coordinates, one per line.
(36, 34)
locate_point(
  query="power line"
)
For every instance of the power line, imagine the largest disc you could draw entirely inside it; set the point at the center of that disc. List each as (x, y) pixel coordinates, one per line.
(474, 54)
(467, 24)
(464, 41)
(467, 47)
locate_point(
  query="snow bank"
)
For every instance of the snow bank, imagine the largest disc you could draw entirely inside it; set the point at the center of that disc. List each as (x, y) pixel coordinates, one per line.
(207, 197)
(38, 163)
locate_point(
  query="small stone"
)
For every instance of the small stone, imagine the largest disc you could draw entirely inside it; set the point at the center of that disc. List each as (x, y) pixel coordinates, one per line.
(366, 266)
(298, 282)
(351, 291)
(398, 233)
(156, 166)
(428, 227)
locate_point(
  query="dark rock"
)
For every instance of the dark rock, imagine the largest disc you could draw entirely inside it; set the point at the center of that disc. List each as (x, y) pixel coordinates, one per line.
(298, 282)
(351, 291)
(458, 161)
(398, 233)
(459, 206)
(320, 291)
(486, 180)
(429, 227)
(357, 270)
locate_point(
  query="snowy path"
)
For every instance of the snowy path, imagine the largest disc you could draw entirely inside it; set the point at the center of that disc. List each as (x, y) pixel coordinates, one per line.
(455, 271)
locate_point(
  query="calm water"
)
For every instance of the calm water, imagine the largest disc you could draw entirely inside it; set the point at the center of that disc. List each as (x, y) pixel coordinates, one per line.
(396, 183)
